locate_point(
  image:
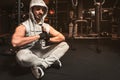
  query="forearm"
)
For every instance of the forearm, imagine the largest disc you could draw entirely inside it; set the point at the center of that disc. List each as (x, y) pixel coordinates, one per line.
(57, 39)
(20, 41)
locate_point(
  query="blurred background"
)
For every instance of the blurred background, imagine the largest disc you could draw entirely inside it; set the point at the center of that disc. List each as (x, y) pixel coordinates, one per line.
(74, 18)
(92, 29)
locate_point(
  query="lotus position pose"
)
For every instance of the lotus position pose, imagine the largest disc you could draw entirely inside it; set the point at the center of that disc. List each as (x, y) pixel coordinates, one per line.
(41, 46)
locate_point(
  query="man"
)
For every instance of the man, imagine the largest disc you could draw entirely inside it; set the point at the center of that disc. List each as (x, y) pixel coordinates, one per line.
(33, 36)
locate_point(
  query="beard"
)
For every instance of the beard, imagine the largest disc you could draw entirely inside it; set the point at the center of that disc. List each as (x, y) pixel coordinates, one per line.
(38, 17)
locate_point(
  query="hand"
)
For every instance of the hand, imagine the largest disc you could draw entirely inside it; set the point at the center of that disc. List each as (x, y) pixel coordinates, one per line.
(44, 35)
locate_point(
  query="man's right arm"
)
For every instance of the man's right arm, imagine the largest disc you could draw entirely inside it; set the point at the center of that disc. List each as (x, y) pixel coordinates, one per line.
(19, 39)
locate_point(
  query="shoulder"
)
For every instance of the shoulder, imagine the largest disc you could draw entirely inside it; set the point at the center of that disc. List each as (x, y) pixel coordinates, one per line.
(27, 22)
(20, 28)
(46, 25)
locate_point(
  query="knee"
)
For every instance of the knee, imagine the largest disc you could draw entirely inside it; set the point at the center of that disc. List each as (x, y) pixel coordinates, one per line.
(65, 45)
(21, 56)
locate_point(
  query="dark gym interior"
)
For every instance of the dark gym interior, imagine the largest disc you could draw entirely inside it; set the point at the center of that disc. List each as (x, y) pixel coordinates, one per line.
(91, 28)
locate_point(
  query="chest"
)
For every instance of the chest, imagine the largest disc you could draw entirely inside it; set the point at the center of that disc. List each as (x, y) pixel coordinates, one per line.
(34, 30)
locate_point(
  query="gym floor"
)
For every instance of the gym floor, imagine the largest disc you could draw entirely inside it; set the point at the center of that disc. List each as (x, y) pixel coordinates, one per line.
(81, 62)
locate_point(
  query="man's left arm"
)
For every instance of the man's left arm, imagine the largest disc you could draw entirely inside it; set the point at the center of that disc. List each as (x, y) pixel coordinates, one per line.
(56, 35)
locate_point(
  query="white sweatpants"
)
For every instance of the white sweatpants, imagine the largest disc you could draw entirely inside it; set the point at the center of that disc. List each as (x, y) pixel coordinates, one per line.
(45, 57)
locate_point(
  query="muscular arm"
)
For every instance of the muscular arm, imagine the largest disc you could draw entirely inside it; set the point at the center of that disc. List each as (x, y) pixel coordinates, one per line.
(19, 39)
(56, 36)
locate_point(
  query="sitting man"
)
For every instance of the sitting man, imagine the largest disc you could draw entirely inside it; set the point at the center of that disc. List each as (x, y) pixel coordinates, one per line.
(33, 37)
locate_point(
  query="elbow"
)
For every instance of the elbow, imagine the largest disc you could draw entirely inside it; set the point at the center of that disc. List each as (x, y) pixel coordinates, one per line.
(62, 38)
(15, 43)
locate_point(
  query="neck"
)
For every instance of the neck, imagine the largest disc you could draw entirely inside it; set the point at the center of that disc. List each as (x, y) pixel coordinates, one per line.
(37, 20)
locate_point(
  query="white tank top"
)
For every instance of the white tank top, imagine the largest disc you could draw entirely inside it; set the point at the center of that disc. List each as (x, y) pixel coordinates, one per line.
(34, 29)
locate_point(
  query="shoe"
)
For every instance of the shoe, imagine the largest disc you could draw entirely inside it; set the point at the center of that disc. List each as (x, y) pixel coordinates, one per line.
(57, 64)
(37, 72)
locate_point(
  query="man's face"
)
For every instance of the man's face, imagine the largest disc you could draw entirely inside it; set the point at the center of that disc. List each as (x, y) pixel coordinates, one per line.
(38, 12)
